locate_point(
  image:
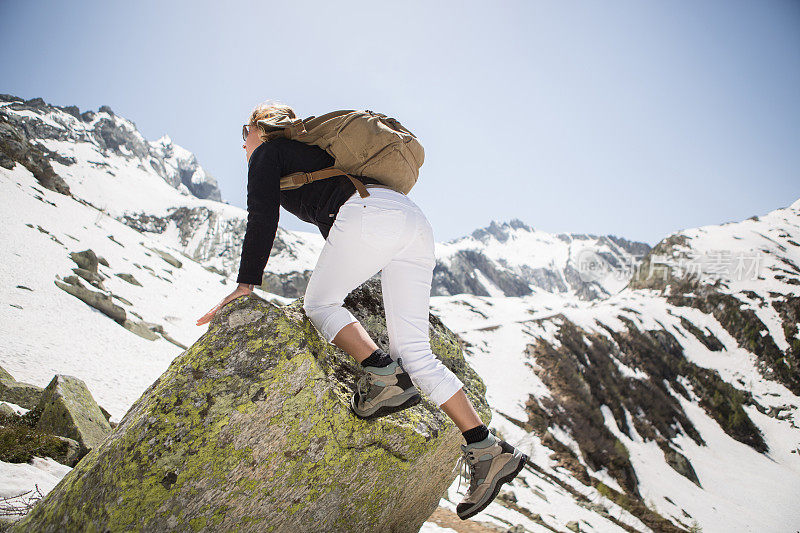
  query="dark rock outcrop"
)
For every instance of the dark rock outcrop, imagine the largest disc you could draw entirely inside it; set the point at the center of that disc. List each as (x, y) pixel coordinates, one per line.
(741, 323)
(681, 465)
(463, 270)
(459, 277)
(631, 375)
(20, 135)
(291, 285)
(99, 300)
(17, 147)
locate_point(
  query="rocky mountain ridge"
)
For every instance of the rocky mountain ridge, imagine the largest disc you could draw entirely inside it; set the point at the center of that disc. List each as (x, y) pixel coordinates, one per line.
(45, 128)
(87, 153)
(513, 259)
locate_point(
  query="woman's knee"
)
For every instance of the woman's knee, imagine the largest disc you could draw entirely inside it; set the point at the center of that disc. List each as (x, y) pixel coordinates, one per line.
(320, 312)
(317, 314)
(312, 308)
(312, 305)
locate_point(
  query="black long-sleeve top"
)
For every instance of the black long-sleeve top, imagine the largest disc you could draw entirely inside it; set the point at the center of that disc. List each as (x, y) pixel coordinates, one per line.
(317, 202)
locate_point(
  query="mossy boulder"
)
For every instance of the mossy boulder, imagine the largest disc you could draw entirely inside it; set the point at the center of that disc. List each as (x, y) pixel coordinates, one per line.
(23, 394)
(68, 409)
(7, 413)
(19, 443)
(250, 430)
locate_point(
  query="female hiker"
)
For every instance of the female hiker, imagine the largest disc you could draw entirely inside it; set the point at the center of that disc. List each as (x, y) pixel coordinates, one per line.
(383, 231)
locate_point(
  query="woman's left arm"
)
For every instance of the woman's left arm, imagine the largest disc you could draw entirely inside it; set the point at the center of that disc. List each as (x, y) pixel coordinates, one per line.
(263, 211)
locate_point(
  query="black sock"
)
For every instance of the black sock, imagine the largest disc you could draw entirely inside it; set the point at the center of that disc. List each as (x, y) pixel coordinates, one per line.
(476, 434)
(377, 358)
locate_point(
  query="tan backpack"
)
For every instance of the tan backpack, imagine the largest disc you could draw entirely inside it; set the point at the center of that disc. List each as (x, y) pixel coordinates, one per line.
(363, 143)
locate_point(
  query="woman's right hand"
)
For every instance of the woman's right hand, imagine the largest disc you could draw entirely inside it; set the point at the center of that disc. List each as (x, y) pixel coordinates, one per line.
(242, 290)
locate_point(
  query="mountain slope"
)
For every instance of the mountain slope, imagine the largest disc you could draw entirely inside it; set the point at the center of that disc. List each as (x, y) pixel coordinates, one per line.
(657, 392)
(154, 187)
(104, 141)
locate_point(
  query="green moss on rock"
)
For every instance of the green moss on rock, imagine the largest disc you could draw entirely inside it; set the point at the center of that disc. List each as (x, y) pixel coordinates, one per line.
(19, 443)
(250, 429)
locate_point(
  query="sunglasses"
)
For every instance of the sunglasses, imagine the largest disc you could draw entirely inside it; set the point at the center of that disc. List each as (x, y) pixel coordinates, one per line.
(245, 131)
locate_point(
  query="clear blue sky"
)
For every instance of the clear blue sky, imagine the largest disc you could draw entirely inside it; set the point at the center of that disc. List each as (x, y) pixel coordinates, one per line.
(634, 118)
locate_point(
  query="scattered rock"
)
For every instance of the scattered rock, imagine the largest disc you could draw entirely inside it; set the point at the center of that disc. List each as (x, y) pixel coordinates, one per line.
(100, 301)
(23, 394)
(68, 409)
(129, 278)
(85, 259)
(123, 300)
(165, 256)
(93, 278)
(681, 465)
(174, 341)
(507, 496)
(158, 328)
(140, 328)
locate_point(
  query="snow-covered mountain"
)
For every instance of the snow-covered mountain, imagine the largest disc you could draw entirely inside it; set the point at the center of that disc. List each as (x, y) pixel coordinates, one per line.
(110, 165)
(155, 187)
(104, 141)
(676, 397)
(656, 389)
(511, 259)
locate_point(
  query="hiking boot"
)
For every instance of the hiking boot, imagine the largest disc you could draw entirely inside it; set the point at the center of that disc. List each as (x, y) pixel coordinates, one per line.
(491, 462)
(384, 390)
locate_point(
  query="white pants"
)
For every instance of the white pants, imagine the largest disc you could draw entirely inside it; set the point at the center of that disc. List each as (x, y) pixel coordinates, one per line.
(385, 231)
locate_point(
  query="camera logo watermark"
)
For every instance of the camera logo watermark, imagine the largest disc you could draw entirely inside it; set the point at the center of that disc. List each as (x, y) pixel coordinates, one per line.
(591, 266)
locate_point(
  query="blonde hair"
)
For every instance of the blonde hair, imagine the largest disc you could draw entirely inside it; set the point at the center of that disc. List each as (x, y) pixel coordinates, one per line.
(269, 110)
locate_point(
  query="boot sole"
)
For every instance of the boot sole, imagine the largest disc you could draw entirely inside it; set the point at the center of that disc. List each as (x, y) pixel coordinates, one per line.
(500, 482)
(387, 409)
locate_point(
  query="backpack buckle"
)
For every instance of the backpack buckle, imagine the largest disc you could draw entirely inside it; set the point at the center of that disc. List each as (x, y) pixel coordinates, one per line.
(296, 129)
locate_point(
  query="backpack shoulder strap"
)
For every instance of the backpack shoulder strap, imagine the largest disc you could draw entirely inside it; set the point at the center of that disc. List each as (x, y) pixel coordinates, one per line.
(297, 179)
